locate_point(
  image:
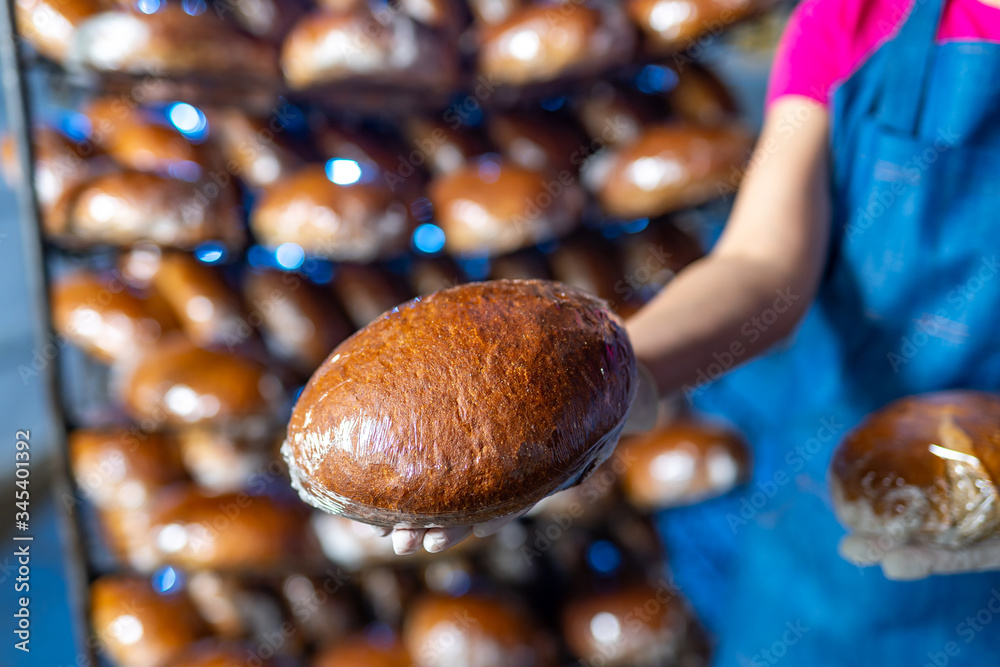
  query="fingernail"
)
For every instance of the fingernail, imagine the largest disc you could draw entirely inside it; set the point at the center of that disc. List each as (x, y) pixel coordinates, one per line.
(405, 542)
(435, 541)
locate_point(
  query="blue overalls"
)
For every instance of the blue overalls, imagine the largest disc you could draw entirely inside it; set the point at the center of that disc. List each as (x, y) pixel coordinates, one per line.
(910, 303)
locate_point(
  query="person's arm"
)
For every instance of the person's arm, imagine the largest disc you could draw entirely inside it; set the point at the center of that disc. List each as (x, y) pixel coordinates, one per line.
(770, 256)
(775, 241)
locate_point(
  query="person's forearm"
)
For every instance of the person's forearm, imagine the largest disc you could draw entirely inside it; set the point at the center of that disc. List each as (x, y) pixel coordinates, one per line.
(750, 291)
(716, 314)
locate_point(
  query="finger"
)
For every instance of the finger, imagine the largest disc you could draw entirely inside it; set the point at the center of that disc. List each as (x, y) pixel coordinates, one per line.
(908, 563)
(864, 550)
(406, 541)
(645, 405)
(439, 539)
(492, 526)
(859, 550)
(916, 562)
(382, 531)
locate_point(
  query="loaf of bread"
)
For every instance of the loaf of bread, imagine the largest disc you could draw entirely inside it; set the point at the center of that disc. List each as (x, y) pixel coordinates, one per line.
(193, 529)
(923, 469)
(136, 625)
(682, 463)
(99, 315)
(462, 406)
(631, 624)
(673, 25)
(358, 222)
(494, 207)
(540, 43)
(668, 167)
(170, 42)
(481, 632)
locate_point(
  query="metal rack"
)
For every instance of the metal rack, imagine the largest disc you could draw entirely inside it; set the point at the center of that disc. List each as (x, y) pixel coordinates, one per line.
(59, 488)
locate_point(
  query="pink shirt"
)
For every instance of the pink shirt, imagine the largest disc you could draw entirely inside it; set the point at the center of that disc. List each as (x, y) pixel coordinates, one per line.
(826, 41)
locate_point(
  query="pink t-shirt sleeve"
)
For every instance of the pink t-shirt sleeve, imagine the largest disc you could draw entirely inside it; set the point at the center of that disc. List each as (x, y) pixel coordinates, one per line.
(810, 56)
(826, 41)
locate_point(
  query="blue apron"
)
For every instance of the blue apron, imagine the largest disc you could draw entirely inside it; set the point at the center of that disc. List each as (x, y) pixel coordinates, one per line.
(910, 303)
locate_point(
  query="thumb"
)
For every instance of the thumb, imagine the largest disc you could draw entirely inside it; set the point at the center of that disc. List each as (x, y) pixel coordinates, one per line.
(909, 563)
(916, 562)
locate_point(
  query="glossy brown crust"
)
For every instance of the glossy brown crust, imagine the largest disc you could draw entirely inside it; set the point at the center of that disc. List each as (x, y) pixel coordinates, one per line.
(637, 624)
(671, 25)
(137, 626)
(207, 308)
(178, 384)
(48, 25)
(543, 42)
(496, 207)
(463, 406)
(103, 318)
(122, 468)
(929, 464)
(232, 531)
(215, 653)
(482, 632)
(328, 47)
(157, 149)
(671, 167)
(360, 651)
(122, 208)
(682, 463)
(358, 222)
(300, 321)
(170, 42)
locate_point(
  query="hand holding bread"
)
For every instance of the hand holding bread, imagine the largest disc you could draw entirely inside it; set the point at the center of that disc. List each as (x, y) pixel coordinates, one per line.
(917, 485)
(458, 411)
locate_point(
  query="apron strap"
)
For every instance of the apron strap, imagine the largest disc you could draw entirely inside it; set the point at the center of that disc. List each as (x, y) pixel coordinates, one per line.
(911, 56)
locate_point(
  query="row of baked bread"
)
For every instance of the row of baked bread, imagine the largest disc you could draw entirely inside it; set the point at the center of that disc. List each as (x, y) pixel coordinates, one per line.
(413, 43)
(239, 575)
(177, 176)
(198, 497)
(211, 621)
